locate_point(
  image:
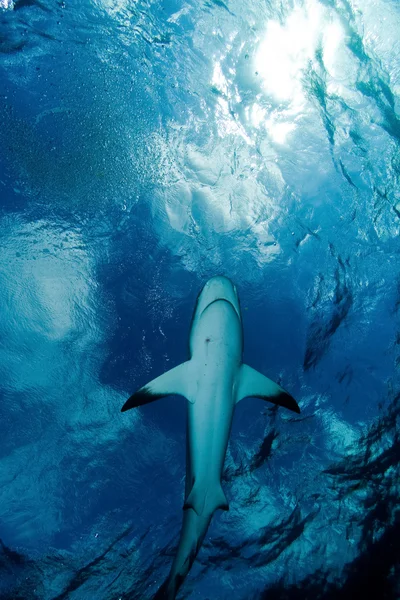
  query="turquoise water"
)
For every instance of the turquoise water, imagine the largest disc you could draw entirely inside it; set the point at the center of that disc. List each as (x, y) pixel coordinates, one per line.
(147, 146)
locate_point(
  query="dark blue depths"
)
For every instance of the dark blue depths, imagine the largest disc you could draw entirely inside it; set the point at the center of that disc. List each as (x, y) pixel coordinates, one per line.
(146, 146)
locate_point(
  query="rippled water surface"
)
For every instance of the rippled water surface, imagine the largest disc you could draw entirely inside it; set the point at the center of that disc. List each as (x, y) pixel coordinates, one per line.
(144, 147)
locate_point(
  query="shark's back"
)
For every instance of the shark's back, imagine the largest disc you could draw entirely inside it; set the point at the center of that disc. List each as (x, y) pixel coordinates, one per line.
(217, 334)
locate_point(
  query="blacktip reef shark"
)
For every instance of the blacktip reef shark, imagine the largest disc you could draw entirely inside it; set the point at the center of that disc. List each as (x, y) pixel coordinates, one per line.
(213, 380)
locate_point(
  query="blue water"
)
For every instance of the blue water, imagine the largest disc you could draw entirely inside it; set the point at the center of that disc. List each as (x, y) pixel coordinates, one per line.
(146, 146)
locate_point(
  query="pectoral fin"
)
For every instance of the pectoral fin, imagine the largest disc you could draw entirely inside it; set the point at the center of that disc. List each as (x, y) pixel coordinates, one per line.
(173, 382)
(254, 384)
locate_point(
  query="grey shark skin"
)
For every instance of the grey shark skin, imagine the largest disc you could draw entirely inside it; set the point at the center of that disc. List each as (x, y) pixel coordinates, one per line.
(213, 380)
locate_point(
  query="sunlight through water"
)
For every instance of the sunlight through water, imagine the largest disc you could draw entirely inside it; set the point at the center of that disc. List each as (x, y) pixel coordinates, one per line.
(288, 50)
(146, 147)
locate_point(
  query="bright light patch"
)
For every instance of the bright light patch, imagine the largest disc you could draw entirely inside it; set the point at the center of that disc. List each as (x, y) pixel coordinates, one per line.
(227, 124)
(341, 437)
(257, 115)
(279, 131)
(112, 6)
(45, 278)
(288, 49)
(218, 79)
(333, 37)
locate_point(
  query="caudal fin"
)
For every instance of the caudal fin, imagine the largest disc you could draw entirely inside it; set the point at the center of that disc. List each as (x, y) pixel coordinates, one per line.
(163, 594)
(206, 499)
(194, 528)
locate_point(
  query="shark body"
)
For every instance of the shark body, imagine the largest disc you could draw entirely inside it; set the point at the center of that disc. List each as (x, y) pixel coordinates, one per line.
(213, 380)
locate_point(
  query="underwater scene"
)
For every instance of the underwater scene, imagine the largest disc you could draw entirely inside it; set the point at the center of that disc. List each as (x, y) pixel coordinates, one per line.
(199, 222)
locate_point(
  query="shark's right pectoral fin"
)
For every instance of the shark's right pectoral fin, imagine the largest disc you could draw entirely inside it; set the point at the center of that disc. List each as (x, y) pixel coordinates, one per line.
(173, 382)
(251, 383)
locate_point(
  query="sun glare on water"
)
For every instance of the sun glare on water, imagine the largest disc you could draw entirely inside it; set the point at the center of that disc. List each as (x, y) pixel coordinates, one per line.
(284, 55)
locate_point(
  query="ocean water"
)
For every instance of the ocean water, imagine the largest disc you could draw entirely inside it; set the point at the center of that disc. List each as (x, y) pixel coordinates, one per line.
(146, 146)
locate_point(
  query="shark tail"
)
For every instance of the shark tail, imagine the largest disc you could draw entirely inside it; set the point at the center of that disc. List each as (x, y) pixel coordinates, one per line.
(194, 528)
(163, 593)
(170, 587)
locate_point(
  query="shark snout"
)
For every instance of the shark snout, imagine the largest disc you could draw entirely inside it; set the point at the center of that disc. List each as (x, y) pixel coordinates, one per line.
(219, 288)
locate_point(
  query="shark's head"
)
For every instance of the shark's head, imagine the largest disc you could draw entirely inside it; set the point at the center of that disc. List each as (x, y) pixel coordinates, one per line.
(218, 288)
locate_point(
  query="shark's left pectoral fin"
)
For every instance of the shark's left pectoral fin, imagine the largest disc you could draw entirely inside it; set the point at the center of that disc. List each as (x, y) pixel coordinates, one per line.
(173, 382)
(254, 384)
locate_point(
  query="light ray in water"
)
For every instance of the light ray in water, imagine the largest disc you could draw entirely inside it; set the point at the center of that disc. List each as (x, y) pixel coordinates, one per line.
(289, 48)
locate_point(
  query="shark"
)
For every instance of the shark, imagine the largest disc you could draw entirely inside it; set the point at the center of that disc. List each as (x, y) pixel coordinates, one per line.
(213, 380)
